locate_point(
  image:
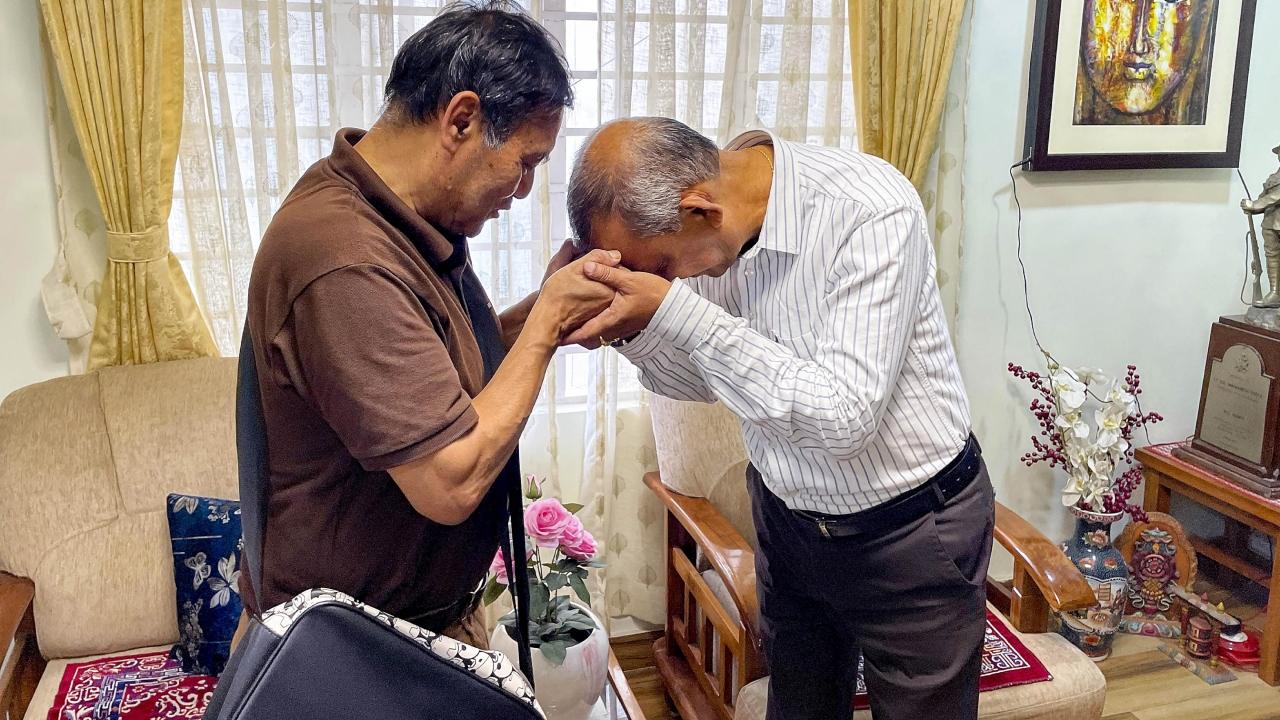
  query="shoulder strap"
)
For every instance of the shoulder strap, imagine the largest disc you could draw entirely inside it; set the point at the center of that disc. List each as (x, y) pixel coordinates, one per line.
(513, 546)
(489, 336)
(251, 457)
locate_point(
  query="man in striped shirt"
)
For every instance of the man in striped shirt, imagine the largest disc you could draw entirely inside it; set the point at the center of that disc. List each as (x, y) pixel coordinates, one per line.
(795, 284)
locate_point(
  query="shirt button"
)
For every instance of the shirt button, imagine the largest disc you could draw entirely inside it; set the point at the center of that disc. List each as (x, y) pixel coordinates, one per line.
(749, 272)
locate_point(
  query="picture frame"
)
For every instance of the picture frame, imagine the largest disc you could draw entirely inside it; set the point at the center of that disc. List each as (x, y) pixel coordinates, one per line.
(1105, 92)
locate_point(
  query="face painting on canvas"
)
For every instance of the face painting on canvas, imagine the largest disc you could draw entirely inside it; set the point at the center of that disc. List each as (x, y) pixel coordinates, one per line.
(1145, 62)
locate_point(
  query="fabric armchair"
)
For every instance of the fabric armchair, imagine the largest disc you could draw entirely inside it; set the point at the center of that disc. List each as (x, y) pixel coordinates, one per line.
(710, 649)
(710, 656)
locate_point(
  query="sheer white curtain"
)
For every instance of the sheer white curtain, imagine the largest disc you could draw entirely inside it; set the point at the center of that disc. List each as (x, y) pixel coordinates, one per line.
(721, 66)
(269, 82)
(943, 192)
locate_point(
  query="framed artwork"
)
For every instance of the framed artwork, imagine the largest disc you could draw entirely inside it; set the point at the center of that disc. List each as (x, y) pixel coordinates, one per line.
(1138, 83)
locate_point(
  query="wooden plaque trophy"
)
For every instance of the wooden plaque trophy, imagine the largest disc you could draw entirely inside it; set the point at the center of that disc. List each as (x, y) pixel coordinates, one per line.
(1238, 428)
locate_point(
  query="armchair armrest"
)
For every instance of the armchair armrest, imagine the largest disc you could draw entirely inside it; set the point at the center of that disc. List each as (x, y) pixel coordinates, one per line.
(1044, 580)
(16, 595)
(721, 544)
(706, 655)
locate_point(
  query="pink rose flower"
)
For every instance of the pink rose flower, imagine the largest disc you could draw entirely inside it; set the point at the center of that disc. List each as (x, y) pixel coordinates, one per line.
(545, 521)
(572, 534)
(582, 548)
(499, 568)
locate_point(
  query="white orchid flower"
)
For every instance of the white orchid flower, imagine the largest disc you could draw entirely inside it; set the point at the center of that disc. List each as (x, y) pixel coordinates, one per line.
(1110, 420)
(1121, 398)
(1075, 488)
(1100, 465)
(1093, 494)
(1077, 453)
(1072, 426)
(1069, 391)
(1091, 376)
(1080, 487)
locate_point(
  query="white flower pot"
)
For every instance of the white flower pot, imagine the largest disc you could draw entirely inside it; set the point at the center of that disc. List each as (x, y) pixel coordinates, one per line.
(570, 690)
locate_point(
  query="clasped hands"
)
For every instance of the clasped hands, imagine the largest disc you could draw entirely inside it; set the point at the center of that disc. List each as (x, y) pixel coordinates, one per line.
(600, 301)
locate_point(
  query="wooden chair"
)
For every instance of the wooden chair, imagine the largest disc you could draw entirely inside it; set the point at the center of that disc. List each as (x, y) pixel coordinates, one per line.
(18, 677)
(710, 650)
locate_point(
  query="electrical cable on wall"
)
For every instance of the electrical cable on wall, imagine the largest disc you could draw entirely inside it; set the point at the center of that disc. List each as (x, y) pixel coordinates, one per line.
(1026, 292)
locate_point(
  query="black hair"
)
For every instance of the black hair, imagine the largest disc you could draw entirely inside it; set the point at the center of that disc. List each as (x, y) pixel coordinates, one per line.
(490, 47)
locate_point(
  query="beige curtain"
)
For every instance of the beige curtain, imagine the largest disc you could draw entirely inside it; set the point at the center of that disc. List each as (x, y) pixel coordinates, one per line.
(902, 52)
(120, 66)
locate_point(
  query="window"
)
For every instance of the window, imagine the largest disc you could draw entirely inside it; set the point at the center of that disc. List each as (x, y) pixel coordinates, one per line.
(269, 82)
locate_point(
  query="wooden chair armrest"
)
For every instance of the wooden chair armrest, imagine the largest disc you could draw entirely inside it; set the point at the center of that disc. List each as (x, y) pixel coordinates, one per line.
(1043, 562)
(721, 544)
(16, 595)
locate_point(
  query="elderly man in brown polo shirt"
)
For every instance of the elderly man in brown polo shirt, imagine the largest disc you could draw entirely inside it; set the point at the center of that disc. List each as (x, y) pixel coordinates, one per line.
(389, 407)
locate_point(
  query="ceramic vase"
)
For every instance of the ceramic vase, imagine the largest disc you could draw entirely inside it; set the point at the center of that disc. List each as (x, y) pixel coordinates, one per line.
(1089, 548)
(570, 690)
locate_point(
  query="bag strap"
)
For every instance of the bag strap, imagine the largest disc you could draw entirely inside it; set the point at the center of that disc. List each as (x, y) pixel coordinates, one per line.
(251, 456)
(513, 546)
(489, 336)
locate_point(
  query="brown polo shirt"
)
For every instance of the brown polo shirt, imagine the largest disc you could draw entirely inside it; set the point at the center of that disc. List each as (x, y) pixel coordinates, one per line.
(366, 360)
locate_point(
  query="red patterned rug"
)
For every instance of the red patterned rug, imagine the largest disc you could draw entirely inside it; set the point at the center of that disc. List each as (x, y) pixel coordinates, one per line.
(1005, 662)
(143, 687)
(136, 687)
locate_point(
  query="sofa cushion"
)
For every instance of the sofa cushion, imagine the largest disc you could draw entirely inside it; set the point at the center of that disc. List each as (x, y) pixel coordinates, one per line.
(172, 430)
(108, 589)
(51, 683)
(56, 480)
(1076, 692)
(694, 468)
(207, 546)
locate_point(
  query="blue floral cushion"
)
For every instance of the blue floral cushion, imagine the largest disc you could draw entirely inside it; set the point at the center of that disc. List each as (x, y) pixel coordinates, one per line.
(207, 545)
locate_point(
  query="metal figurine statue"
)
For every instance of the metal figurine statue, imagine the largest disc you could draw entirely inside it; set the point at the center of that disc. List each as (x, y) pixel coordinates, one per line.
(1268, 206)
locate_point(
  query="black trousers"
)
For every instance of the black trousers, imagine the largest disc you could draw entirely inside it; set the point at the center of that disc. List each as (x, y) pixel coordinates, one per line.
(910, 600)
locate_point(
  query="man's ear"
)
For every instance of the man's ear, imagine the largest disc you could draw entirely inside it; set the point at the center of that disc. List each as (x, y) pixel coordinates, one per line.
(698, 203)
(460, 121)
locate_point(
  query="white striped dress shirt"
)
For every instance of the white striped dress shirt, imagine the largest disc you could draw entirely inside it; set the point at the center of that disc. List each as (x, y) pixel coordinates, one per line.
(827, 339)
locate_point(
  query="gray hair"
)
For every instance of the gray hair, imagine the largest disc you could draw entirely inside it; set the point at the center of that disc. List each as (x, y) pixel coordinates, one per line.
(661, 159)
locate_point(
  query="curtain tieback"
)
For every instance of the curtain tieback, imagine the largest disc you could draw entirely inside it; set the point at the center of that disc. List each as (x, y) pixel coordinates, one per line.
(149, 245)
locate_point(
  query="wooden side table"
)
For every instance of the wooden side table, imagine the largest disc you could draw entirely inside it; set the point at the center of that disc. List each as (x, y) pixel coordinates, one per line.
(1166, 475)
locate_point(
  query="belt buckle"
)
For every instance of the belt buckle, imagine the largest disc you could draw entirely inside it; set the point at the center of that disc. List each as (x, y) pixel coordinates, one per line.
(822, 529)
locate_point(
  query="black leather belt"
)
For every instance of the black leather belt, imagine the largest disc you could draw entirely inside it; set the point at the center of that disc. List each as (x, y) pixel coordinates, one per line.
(911, 505)
(441, 618)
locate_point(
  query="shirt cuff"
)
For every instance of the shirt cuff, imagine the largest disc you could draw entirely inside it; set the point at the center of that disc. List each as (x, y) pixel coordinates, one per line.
(641, 347)
(684, 319)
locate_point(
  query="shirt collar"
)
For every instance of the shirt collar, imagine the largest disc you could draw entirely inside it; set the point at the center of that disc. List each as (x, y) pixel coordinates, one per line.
(778, 232)
(444, 252)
